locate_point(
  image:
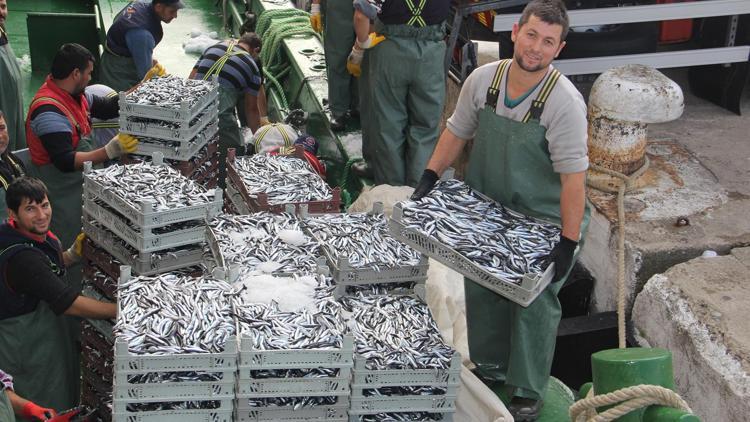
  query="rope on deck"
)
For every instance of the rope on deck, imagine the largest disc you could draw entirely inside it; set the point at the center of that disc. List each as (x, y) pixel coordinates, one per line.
(273, 27)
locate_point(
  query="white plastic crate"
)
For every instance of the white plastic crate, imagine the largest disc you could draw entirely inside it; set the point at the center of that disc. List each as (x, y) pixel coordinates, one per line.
(144, 240)
(223, 413)
(523, 293)
(363, 378)
(328, 413)
(175, 391)
(144, 214)
(296, 358)
(184, 151)
(386, 404)
(142, 263)
(184, 132)
(184, 113)
(247, 386)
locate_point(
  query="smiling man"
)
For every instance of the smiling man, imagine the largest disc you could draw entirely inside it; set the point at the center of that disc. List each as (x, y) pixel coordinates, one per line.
(529, 128)
(36, 342)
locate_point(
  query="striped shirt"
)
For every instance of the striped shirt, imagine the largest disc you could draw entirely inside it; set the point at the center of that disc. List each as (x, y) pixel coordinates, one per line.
(6, 381)
(240, 71)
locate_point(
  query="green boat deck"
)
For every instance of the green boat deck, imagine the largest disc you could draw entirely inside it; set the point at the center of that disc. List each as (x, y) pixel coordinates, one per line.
(72, 20)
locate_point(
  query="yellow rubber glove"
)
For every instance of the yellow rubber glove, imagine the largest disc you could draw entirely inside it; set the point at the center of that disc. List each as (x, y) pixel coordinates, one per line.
(372, 40)
(354, 61)
(75, 251)
(315, 20)
(121, 144)
(157, 70)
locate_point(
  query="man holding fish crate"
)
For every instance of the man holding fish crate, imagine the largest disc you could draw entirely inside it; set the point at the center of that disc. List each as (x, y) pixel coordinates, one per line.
(529, 128)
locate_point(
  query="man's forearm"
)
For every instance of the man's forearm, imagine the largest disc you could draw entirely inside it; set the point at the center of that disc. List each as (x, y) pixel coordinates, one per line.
(85, 307)
(96, 156)
(252, 114)
(361, 26)
(16, 402)
(572, 203)
(448, 148)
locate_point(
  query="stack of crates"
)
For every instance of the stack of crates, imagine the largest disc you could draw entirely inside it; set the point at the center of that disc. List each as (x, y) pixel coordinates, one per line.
(140, 236)
(345, 275)
(365, 401)
(254, 385)
(186, 136)
(153, 380)
(402, 391)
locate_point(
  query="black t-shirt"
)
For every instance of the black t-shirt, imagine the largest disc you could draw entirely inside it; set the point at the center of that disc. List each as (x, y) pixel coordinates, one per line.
(29, 272)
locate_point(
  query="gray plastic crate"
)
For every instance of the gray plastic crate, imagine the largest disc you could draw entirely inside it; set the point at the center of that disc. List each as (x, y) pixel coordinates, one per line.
(297, 358)
(222, 414)
(523, 293)
(184, 113)
(247, 386)
(446, 416)
(386, 404)
(142, 263)
(144, 240)
(174, 391)
(139, 364)
(328, 413)
(145, 216)
(183, 133)
(363, 378)
(185, 150)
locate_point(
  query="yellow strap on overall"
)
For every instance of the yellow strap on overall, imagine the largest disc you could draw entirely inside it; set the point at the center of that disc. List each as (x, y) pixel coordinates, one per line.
(219, 64)
(537, 106)
(416, 13)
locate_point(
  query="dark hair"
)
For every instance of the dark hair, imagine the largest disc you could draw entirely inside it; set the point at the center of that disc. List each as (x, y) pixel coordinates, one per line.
(68, 58)
(2, 115)
(552, 12)
(25, 187)
(252, 39)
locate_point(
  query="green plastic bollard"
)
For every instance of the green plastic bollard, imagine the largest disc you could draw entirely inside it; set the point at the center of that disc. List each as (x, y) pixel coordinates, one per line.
(668, 414)
(619, 368)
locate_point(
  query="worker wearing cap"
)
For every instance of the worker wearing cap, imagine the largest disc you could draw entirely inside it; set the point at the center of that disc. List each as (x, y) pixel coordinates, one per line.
(37, 344)
(11, 96)
(402, 95)
(338, 37)
(233, 63)
(529, 128)
(11, 166)
(129, 49)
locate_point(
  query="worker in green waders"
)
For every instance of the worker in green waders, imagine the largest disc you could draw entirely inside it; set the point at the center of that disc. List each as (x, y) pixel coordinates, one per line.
(528, 123)
(129, 49)
(11, 95)
(11, 403)
(402, 99)
(233, 64)
(58, 132)
(334, 19)
(37, 345)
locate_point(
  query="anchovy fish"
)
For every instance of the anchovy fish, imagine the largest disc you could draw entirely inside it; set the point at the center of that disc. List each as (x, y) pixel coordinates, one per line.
(173, 314)
(250, 240)
(402, 417)
(284, 179)
(165, 186)
(295, 402)
(363, 239)
(169, 91)
(502, 241)
(397, 332)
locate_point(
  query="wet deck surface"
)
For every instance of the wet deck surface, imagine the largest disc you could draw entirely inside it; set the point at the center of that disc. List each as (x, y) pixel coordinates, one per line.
(201, 15)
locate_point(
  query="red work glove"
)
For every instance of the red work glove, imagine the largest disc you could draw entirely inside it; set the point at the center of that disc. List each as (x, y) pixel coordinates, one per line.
(65, 417)
(36, 413)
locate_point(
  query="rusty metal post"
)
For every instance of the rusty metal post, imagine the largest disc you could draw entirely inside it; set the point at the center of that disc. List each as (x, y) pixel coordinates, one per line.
(623, 101)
